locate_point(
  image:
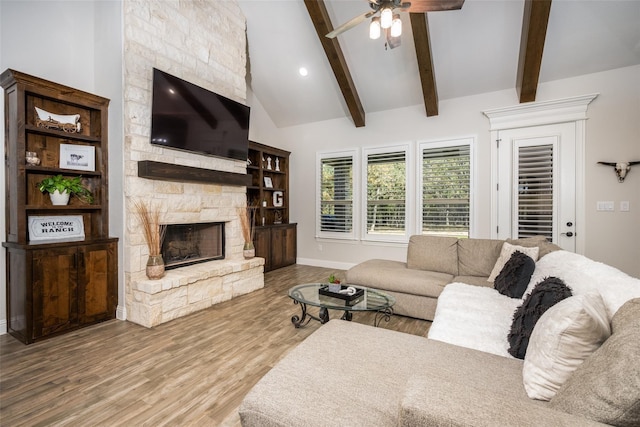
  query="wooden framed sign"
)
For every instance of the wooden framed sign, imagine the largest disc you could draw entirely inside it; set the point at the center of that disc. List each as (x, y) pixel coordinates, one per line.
(47, 229)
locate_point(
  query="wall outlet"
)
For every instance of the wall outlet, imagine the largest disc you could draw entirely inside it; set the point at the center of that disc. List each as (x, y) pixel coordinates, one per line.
(605, 206)
(624, 206)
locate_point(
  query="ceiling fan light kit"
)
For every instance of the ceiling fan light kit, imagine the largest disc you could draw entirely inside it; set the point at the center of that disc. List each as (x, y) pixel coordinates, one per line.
(386, 17)
(374, 28)
(396, 26)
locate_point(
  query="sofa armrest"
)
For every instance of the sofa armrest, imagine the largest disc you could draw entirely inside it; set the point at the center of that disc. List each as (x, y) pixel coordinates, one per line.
(436, 401)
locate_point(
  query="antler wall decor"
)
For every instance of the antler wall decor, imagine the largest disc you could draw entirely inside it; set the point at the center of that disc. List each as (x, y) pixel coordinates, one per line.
(621, 168)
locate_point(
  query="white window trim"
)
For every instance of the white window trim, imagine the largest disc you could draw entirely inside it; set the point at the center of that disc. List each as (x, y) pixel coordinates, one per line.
(470, 140)
(410, 219)
(353, 153)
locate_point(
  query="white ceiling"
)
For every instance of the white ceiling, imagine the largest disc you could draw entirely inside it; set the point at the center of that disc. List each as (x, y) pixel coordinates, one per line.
(475, 50)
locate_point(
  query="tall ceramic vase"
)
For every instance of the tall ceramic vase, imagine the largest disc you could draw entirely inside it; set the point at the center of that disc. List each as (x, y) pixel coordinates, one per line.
(249, 250)
(155, 267)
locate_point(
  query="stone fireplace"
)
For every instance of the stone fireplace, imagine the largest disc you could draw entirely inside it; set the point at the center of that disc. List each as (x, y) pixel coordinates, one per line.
(188, 244)
(203, 43)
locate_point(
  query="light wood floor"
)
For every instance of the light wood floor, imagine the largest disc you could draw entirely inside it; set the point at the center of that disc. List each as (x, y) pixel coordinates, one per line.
(191, 371)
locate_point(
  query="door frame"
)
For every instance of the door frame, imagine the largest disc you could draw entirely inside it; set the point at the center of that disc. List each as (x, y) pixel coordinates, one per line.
(566, 110)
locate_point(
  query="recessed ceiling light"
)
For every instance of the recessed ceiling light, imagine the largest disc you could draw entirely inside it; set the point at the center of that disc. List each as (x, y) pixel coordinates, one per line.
(303, 72)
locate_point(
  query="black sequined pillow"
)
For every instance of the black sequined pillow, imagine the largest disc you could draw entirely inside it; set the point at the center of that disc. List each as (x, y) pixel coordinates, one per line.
(546, 294)
(515, 275)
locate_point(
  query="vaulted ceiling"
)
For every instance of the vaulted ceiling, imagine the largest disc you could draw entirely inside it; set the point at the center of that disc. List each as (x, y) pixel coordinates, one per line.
(486, 46)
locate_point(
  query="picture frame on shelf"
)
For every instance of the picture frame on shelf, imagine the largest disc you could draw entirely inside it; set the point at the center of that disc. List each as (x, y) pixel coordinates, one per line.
(268, 182)
(78, 157)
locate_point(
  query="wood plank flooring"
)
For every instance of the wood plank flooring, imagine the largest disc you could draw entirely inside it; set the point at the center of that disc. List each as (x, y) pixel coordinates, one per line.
(192, 371)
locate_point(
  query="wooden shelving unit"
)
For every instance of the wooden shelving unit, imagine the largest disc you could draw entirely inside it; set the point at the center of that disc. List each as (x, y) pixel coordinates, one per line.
(60, 286)
(275, 237)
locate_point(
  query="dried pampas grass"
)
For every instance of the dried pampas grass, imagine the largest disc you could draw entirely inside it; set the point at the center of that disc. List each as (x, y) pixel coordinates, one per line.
(247, 216)
(153, 231)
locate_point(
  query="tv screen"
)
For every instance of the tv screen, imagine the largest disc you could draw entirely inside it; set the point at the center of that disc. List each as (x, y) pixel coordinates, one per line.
(187, 117)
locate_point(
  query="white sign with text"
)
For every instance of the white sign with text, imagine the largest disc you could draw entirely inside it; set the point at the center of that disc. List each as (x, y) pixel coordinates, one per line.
(43, 229)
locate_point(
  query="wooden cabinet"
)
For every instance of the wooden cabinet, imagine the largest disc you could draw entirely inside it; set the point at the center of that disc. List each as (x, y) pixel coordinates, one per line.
(57, 285)
(275, 237)
(277, 245)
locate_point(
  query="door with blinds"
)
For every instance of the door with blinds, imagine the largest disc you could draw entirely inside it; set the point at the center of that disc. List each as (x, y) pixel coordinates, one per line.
(536, 183)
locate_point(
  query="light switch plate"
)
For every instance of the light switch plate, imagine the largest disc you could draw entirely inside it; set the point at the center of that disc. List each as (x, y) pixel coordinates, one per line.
(606, 206)
(624, 206)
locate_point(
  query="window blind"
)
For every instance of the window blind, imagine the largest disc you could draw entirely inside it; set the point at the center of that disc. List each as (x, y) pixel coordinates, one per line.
(386, 193)
(446, 186)
(535, 191)
(336, 198)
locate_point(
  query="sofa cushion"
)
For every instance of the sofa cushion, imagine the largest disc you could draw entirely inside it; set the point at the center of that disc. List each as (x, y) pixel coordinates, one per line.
(546, 294)
(395, 276)
(433, 253)
(563, 338)
(544, 246)
(606, 387)
(343, 374)
(515, 275)
(505, 253)
(476, 257)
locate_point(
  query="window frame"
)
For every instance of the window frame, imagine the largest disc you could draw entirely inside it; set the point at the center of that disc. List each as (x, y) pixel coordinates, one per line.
(409, 193)
(355, 220)
(421, 146)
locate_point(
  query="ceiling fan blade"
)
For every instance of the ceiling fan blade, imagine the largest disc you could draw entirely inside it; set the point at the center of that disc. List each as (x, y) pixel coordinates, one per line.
(405, 5)
(350, 24)
(423, 6)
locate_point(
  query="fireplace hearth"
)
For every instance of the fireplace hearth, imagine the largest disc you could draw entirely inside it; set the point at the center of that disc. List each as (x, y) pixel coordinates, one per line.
(186, 244)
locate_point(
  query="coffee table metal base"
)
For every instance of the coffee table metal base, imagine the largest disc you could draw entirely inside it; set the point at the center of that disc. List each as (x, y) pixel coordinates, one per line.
(323, 315)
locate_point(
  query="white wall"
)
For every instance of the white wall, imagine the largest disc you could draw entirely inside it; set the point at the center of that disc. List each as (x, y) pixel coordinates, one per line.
(77, 44)
(613, 134)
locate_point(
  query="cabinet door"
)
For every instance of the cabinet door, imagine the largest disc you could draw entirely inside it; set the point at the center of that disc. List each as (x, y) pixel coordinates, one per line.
(55, 304)
(283, 246)
(262, 243)
(290, 245)
(97, 285)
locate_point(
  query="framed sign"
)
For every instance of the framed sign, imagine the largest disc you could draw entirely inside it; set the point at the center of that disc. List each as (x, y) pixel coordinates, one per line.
(46, 229)
(267, 182)
(80, 157)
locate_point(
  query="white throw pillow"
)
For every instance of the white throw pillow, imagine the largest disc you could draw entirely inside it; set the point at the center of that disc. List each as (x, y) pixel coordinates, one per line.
(506, 252)
(562, 339)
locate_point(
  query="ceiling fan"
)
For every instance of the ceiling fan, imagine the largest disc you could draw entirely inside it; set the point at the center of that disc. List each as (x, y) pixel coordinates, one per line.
(389, 21)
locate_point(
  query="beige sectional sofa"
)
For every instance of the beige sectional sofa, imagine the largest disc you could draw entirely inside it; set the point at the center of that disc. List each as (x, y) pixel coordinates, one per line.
(349, 374)
(432, 263)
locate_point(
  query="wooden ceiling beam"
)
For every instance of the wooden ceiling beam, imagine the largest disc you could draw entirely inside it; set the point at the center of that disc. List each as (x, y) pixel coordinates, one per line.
(421, 40)
(322, 23)
(534, 31)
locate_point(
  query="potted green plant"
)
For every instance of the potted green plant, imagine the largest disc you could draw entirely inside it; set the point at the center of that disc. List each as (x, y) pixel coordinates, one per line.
(61, 188)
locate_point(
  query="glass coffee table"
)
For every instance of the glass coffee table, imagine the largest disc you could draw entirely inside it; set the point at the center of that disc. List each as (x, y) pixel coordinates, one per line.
(371, 300)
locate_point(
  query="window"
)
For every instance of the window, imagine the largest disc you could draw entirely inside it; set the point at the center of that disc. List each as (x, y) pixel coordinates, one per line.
(446, 188)
(535, 191)
(335, 190)
(386, 193)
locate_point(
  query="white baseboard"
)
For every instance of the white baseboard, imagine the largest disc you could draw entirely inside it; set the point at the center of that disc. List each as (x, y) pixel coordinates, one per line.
(324, 263)
(3, 326)
(121, 312)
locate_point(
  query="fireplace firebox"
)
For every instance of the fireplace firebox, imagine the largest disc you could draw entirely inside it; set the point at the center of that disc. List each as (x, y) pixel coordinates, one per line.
(186, 244)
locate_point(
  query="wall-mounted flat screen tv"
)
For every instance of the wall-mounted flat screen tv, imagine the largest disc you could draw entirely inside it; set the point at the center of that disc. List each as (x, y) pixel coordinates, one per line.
(187, 117)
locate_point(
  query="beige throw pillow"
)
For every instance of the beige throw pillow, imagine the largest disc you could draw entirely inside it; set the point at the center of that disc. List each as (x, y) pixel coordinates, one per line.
(506, 252)
(562, 339)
